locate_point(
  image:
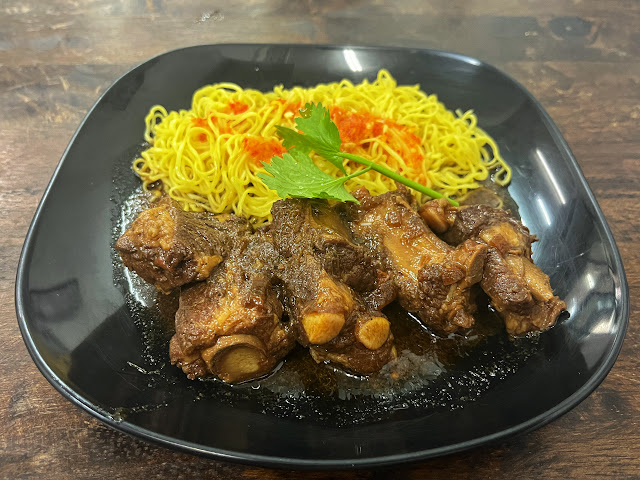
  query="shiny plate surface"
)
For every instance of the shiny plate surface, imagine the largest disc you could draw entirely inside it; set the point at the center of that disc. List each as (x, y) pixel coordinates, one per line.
(78, 321)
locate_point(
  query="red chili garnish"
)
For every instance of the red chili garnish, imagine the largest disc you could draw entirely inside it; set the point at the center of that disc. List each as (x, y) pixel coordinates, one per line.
(200, 122)
(262, 149)
(238, 107)
(289, 107)
(204, 123)
(355, 127)
(293, 108)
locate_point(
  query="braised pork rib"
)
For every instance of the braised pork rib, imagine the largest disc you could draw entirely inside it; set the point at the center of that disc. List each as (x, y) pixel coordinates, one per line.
(230, 325)
(319, 275)
(169, 247)
(431, 278)
(518, 289)
(323, 274)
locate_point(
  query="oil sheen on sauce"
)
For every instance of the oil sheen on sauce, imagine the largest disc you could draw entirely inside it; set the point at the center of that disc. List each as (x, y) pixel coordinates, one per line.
(431, 372)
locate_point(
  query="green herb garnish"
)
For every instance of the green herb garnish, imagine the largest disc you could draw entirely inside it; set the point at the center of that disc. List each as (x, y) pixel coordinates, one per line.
(295, 175)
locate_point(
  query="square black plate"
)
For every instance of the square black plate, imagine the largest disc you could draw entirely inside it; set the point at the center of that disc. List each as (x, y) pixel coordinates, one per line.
(78, 323)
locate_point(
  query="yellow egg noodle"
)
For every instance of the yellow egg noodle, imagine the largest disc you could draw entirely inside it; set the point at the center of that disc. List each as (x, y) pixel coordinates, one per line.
(207, 158)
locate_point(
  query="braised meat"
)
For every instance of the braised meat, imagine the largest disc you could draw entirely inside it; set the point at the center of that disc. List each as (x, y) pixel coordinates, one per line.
(518, 289)
(317, 303)
(230, 325)
(364, 345)
(431, 278)
(169, 247)
(320, 269)
(312, 227)
(330, 270)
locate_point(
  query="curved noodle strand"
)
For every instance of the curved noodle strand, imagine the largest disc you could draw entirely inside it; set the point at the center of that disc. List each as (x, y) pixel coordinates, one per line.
(208, 158)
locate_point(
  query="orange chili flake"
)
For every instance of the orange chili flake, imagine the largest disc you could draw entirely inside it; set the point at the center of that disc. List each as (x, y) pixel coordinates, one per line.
(411, 151)
(354, 127)
(293, 108)
(288, 107)
(262, 149)
(202, 123)
(238, 107)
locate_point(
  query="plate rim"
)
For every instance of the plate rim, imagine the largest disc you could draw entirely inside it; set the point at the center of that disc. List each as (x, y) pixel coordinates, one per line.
(321, 464)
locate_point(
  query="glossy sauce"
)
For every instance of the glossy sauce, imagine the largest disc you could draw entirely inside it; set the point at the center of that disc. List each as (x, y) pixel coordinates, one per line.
(430, 371)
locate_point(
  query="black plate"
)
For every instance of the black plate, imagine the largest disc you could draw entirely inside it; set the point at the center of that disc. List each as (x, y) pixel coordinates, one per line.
(84, 331)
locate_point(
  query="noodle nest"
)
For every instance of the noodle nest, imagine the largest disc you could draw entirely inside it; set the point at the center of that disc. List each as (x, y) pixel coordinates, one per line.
(208, 158)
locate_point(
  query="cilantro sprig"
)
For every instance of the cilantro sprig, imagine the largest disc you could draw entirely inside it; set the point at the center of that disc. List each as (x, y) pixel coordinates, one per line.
(295, 175)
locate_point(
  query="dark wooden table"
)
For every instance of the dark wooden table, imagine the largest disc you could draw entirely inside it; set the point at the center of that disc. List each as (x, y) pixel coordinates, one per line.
(580, 58)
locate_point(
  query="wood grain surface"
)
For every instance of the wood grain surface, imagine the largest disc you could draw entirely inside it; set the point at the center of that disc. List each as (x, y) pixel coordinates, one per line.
(580, 58)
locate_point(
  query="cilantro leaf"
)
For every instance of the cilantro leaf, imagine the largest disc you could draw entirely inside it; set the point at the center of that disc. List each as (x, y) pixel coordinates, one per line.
(316, 123)
(319, 134)
(295, 175)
